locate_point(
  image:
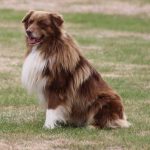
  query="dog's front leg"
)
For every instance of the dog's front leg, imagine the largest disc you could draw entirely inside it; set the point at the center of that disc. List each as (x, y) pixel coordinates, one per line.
(54, 116)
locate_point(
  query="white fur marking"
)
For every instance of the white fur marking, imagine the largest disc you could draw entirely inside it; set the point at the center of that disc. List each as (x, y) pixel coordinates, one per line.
(32, 70)
(53, 116)
(122, 123)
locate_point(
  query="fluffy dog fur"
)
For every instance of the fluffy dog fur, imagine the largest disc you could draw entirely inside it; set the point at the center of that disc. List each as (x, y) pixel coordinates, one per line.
(73, 91)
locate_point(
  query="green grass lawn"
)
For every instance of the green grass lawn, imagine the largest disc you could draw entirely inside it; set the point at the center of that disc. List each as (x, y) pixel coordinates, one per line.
(119, 48)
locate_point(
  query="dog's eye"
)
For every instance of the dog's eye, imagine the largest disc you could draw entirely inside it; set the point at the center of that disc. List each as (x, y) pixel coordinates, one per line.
(30, 21)
(43, 24)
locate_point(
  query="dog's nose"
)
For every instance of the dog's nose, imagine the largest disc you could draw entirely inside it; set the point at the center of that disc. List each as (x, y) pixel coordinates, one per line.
(29, 33)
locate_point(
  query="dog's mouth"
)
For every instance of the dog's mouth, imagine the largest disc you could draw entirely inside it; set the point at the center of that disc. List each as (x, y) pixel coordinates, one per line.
(34, 40)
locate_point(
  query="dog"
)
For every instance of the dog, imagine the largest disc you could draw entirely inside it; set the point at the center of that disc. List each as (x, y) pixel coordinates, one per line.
(54, 69)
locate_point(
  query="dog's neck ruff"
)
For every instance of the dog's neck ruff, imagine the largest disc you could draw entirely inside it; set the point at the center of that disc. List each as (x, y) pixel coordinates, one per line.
(33, 67)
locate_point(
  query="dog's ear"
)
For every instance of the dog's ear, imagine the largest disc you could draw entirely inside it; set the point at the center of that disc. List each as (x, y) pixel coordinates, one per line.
(27, 16)
(56, 19)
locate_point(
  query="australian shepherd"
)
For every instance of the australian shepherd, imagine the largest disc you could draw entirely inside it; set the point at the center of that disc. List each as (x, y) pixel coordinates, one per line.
(72, 90)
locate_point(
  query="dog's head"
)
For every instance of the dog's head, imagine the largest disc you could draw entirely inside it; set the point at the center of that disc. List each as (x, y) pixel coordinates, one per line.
(40, 25)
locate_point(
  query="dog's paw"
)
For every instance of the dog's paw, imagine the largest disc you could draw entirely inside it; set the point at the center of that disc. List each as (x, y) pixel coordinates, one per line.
(49, 126)
(52, 125)
(54, 118)
(91, 127)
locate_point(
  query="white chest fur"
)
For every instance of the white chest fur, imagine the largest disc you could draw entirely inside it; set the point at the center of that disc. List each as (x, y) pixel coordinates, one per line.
(32, 70)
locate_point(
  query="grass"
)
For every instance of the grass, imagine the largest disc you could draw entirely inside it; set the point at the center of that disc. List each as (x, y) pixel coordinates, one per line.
(122, 47)
(123, 62)
(112, 22)
(139, 1)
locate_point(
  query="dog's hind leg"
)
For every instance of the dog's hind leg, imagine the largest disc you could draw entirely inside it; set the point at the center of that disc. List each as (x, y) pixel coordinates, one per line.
(111, 112)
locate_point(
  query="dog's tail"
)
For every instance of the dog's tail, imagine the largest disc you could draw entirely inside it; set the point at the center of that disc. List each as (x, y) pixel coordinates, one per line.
(119, 123)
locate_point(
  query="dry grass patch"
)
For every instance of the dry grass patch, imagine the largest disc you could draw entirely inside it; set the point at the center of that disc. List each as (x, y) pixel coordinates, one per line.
(121, 70)
(42, 143)
(12, 114)
(96, 6)
(10, 25)
(9, 64)
(99, 33)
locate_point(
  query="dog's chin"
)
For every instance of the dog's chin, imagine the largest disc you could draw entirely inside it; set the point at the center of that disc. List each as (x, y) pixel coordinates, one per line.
(34, 40)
